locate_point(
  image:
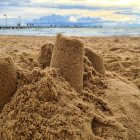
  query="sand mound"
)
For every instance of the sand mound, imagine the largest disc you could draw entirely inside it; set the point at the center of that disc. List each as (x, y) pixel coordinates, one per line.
(7, 80)
(96, 60)
(125, 102)
(68, 57)
(49, 108)
(45, 54)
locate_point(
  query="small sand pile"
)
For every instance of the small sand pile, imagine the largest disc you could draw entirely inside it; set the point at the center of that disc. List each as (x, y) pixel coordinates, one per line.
(124, 99)
(45, 55)
(7, 80)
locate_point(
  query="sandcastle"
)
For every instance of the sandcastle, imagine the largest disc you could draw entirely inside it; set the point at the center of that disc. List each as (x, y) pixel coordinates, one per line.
(45, 55)
(7, 80)
(96, 60)
(67, 55)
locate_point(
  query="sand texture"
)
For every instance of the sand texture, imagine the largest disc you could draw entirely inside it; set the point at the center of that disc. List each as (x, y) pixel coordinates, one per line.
(68, 56)
(7, 79)
(96, 60)
(45, 55)
(47, 104)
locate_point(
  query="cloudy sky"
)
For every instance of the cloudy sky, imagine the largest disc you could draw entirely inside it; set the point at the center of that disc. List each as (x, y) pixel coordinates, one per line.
(112, 10)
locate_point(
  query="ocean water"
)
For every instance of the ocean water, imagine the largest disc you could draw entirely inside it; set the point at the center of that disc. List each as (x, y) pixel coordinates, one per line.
(105, 31)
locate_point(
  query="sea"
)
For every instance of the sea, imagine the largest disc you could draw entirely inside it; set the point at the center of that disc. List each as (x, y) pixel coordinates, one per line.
(104, 31)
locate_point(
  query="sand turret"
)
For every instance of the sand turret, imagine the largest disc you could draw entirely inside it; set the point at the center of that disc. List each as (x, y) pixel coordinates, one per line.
(45, 55)
(7, 80)
(96, 60)
(68, 57)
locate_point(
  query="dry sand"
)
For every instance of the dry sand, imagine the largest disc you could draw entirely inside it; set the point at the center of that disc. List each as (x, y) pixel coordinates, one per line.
(45, 54)
(7, 79)
(46, 107)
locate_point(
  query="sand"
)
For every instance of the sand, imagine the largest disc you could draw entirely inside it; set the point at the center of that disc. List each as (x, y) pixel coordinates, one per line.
(46, 106)
(96, 60)
(67, 56)
(7, 79)
(45, 55)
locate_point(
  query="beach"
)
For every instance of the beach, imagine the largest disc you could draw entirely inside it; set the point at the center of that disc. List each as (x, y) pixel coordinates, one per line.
(121, 54)
(45, 105)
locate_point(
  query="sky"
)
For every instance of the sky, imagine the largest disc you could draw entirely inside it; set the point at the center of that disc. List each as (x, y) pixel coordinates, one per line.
(108, 10)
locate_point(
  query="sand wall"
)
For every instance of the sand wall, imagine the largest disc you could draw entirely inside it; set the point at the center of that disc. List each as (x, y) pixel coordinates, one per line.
(68, 57)
(45, 55)
(96, 60)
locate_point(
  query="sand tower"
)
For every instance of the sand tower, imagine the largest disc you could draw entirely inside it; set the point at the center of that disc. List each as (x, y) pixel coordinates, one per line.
(45, 55)
(7, 80)
(68, 57)
(96, 60)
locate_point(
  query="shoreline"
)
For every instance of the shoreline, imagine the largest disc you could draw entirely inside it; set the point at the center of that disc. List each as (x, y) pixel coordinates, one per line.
(108, 31)
(77, 36)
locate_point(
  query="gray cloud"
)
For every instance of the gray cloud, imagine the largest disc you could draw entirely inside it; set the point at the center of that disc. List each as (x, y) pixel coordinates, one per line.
(29, 3)
(14, 3)
(77, 6)
(128, 12)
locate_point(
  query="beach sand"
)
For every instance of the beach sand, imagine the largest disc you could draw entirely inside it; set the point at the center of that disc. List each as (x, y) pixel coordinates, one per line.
(46, 103)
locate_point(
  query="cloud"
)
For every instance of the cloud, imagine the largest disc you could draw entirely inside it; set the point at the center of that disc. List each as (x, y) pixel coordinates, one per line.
(72, 6)
(107, 10)
(35, 12)
(14, 2)
(128, 12)
(68, 20)
(73, 19)
(100, 3)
